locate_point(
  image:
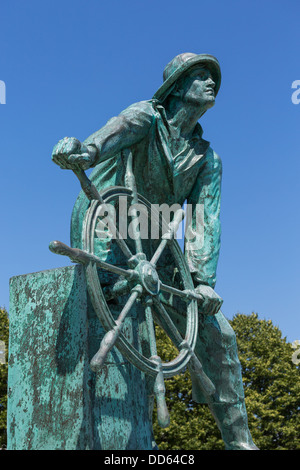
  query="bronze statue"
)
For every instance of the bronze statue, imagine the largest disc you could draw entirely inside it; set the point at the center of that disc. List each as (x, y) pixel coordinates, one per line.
(172, 163)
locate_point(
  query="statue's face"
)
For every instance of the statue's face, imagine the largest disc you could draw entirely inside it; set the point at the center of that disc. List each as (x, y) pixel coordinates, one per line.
(198, 88)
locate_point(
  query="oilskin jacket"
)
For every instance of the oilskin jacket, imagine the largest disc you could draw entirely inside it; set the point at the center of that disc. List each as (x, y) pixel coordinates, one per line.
(168, 170)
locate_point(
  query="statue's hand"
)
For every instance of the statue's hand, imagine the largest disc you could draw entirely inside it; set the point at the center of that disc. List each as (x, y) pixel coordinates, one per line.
(71, 154)
(211, 303)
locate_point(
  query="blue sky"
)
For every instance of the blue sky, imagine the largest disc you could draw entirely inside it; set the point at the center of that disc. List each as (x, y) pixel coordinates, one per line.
(69, 66)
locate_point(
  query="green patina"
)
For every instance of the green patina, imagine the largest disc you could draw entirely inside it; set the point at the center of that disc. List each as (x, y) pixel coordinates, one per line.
(55, 401)
(65, 391)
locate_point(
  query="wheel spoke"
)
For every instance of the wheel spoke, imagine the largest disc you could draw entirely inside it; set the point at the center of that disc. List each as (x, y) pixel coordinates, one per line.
(150, 327)
(170, 235)
(111, 336)
(131, 184)
(87, 186)
(159, 384)
(163, 416)
(122, 244)
(120, 288)
(91, 192)
(165, 322)
(136, 292)
(79, 256)
(184, 294)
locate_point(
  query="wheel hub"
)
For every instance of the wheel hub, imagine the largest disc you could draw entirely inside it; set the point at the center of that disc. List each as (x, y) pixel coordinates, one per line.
(149, 277)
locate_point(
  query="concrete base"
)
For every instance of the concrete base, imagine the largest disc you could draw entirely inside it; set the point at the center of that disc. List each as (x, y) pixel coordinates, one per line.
(55, 401)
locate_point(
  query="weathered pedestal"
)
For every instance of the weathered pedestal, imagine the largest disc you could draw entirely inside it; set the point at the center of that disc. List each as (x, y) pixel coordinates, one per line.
(55, 401)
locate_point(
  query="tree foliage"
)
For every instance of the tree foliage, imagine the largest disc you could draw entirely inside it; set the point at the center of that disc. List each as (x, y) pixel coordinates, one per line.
(272, 391)
(272, 383)
(4, 331)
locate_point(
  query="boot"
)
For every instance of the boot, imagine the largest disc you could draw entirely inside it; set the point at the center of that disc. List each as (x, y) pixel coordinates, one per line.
(232, 422)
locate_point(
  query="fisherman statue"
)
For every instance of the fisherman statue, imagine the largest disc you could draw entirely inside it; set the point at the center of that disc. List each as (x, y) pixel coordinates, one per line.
(173, 164)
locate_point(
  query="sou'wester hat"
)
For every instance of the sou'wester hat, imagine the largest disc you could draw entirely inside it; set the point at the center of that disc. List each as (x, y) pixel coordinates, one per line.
(183, 62)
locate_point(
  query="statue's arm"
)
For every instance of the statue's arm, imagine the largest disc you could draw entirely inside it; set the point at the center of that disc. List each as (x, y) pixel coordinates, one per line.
(122, 131)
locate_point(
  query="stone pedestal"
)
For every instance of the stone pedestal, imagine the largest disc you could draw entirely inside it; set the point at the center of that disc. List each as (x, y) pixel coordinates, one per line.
(55, 401)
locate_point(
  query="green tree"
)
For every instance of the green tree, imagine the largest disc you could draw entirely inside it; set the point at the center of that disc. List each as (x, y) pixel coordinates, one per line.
(272, 383)
(4, 330)
(272, 391)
